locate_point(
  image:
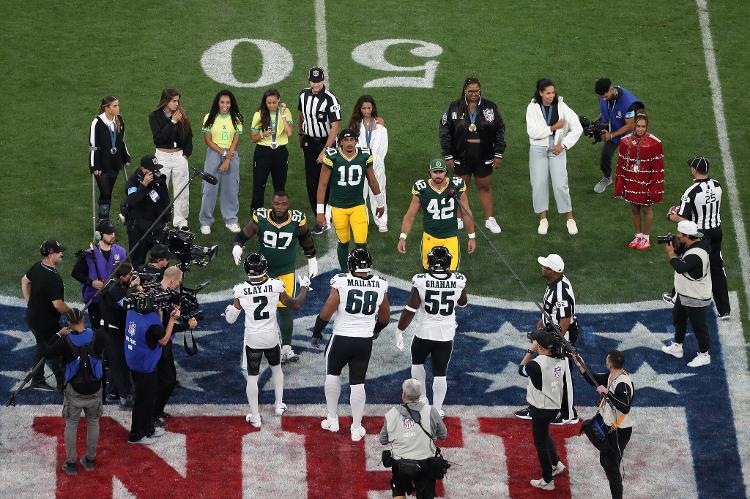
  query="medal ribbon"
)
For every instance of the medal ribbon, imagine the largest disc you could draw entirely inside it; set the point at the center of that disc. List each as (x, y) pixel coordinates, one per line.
(368, 132)
(274, 127)
(113, 133)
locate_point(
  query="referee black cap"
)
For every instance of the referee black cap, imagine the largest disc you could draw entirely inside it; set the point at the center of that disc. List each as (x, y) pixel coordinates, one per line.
(348, 132)
(543, 338)
(700, 163)
(316, 75)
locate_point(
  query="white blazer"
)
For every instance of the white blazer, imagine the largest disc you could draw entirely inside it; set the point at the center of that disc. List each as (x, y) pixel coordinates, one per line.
(378, 144)
(539, 131)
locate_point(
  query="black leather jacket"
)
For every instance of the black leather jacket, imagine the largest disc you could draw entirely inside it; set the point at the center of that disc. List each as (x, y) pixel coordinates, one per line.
(454, 130)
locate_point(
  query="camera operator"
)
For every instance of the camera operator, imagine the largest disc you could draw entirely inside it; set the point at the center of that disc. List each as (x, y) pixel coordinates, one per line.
(44, 292)
(94, 266)
(701, 203)
(689, 256)
(147, 197)
(113, 316)
(145, 337)
(411, 445)
(544, 394)
(158, 261)
(618, 107)
(617, 391)
(166, 369)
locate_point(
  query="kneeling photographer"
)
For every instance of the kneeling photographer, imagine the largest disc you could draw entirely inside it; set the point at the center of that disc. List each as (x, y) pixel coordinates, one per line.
(688, 254)
(612, 426)
(414, 453)
(544, 394)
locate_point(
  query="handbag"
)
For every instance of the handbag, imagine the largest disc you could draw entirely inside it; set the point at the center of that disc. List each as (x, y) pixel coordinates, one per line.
(437, 466)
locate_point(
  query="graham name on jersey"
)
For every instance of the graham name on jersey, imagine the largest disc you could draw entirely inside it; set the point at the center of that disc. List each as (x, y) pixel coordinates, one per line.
(441, 284)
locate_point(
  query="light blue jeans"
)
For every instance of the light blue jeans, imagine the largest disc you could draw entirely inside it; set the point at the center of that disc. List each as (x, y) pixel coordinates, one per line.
(544, 165)
(229, 184)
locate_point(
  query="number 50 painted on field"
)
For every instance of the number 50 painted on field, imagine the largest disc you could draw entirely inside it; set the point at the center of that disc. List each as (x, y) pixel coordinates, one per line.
(278, 62)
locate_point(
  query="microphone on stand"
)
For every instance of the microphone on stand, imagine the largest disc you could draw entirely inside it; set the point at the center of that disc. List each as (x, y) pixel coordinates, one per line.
(207, 177)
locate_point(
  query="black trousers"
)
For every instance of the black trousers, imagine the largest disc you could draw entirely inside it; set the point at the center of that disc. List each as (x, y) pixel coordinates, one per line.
(697, 317)
(40, 351)
(146, 385)
(167, 379)
(611, 457)
(106, 184)
(135, 232)
(421, 485)
(118, 374)
(268, 161)
(545, 447)
(311, 148)
(605, 160)
(95, 314)
(718, 276)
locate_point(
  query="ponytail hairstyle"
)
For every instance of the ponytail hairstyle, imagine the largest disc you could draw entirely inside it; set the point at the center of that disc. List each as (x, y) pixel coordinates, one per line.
(540, 86)
(105, 103)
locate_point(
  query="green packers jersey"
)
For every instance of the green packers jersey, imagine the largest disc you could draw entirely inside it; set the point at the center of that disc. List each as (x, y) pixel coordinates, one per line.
(348, 177)
(278, 241)
(439, 207)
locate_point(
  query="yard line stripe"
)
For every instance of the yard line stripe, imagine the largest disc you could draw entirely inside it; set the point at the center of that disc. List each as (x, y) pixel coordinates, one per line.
(726, 155)
(320, 36)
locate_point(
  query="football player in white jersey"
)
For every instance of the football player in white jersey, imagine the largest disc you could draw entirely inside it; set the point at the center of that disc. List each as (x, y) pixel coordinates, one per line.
(361, 300)
(258, 297)
(437, 293)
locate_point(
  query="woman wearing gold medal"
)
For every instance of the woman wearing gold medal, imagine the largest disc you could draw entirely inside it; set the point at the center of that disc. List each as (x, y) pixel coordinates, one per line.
(270, 130)
(472, 137)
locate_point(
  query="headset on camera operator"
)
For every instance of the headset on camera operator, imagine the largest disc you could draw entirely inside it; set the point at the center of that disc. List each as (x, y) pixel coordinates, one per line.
(413, 447)
(688, 254)
(612, 426)
(158, 261)
(544, 394)
(147, 197)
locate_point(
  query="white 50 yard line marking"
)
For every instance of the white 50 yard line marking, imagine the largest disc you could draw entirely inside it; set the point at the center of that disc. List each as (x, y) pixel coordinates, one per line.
(726, 155)
(320, 35)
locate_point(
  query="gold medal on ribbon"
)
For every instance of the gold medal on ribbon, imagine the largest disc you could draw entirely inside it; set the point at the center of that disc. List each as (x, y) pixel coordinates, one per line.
(472, 128)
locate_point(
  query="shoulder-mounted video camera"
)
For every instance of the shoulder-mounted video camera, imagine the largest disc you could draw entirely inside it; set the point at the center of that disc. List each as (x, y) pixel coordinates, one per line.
(155, 297)
(593, 129)
(181, 243)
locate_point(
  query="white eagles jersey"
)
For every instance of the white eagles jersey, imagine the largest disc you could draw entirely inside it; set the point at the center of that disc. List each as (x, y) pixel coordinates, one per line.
(439, 297)
(359, 301)
(259, 301)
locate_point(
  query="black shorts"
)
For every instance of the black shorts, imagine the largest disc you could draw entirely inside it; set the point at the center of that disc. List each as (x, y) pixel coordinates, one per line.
(348, 350)
(254, 356)
(439, 351)
(472, 163)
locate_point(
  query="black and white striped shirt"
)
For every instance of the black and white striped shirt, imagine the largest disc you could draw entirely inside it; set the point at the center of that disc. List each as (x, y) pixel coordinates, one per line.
(318, 112)
(701, 203)
(559, 301)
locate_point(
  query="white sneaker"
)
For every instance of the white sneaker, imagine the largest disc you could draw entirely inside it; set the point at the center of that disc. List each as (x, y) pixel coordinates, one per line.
(492, 225)
(158, 432)
(233, 228)
(543, 227)
(700, 360)
(383, 228)
(674, 349)
(358, 433)
(205, 229)
(330, 424)
(254, 420)
(280, 409)
(572, 227)
(460, 223)
(541, 484)
(288, 355)
(602, 184)
(558, 468)
(442, 413)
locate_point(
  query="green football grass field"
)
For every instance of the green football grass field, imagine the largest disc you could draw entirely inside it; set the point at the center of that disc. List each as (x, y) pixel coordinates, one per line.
(59, 59)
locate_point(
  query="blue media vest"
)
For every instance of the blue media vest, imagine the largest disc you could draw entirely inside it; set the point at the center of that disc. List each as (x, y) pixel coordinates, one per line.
(615, 115)
(138, 355)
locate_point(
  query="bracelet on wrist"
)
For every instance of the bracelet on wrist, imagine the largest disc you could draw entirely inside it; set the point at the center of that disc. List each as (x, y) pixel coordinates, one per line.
(472, 235)
(320, 209)
(402, 235)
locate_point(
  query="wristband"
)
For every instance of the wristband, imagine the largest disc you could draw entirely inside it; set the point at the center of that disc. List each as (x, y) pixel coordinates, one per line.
(173, 121)
(380, 200)
(529, 351)
(402, 236)
(407, 307)
(320, 209)
(473, 235)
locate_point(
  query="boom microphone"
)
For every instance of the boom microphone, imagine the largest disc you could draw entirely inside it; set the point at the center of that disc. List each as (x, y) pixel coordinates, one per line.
(207, 177)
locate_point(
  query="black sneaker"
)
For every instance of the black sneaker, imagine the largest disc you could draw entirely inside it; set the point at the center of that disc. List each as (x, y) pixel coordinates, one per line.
(88, 464)
(70, 468)
(112, 397)
(318, 229)
(159, 423)
(42, 385)
(560, 421)
(725, 317)
(523, 414)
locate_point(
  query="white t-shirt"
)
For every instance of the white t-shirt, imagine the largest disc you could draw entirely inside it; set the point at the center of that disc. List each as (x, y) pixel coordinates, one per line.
(439, 295)
(359, 301)
(259, 301)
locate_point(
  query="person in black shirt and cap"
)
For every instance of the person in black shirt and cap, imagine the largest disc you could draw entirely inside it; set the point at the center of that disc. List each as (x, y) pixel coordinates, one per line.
(158, 261)
(147, 198)
(44, 292)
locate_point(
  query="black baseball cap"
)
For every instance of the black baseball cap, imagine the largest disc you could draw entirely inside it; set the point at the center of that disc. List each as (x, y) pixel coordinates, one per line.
(150, 162)
(348, 132)
(316, 75)
(543, 338)
(160, 251)
(700, 163)
(105, 227)
(51, 246)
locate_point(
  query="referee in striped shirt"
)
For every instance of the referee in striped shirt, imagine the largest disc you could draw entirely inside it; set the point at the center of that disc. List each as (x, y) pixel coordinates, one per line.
(319, 123)
(701, 203)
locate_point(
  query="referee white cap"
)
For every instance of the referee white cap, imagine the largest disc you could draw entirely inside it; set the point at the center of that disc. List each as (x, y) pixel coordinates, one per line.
(553, 261)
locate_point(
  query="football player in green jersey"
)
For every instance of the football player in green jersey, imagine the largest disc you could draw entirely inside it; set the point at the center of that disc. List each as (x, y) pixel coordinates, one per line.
(346, 169)
(438, 198)
(279, 230)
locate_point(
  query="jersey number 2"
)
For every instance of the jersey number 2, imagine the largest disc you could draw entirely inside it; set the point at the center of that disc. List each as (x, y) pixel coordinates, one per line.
(361, 302)
(260, 313)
